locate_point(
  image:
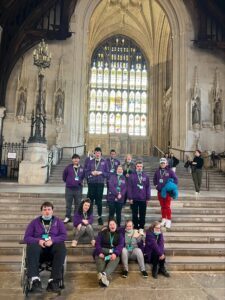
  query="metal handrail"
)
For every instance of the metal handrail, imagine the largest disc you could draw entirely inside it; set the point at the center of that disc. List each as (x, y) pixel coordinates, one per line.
(207, 180)
(158, 149)
(182, 152)
(74, 148)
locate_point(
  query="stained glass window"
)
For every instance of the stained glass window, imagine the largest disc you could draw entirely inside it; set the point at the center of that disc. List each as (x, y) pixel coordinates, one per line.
(118, 88)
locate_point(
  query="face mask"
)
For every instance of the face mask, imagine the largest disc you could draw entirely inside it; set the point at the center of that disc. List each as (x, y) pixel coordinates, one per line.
(46, 218)
(119, 174)
(129, 231)
(157, 233)
(128, 161)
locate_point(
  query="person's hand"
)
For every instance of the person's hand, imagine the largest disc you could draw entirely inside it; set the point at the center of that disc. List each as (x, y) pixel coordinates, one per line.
(136, 234)
(130, 201)
(79, 226)
(94, 173)
(162, 257)
(48, 243)
(85, 222)
(42, 243)
(119, 196)
(101, 255)
(113, 256)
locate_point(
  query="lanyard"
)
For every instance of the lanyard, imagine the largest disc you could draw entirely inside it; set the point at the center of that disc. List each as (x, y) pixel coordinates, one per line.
(85, 215)
(119, 180)
(96, 165)
(139, 178)
(76, 172)
(130, 239)
(47, 228)
(111, 238)
(112, 163)
(162, 172)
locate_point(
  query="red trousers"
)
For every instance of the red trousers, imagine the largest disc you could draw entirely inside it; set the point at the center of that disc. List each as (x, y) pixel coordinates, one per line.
(165, 206)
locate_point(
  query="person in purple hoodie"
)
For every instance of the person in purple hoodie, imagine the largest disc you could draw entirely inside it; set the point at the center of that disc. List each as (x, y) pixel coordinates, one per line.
(112, 162)
(154, 250)
(138, 194)
(162, 174)
(96, 173)
(108, 247)
(73, 176)
(117, 188)
(45, 237)
(82, 221)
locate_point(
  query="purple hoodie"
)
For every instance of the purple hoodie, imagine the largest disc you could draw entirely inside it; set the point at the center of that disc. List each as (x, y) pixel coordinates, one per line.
(101, 166)
(153, 243)
(161, 177)
(77, 219)
(103, 241)
(70, 178)
(138, 190)
(35, 229)
(115, 186)
(112, 165)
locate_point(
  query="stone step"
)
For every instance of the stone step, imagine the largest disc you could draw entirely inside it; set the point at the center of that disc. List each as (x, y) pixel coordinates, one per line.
(75, 264)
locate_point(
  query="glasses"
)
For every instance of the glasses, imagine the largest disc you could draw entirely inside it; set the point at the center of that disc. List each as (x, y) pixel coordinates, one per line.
(157, 228)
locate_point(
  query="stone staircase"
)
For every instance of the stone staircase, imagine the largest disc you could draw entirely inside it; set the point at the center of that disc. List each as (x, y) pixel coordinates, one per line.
(195, 242)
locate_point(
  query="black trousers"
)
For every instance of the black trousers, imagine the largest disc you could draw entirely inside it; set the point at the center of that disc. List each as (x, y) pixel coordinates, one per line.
(155, 261)
(115, 207)
(95, 193)
(138, 214)
(36, 254)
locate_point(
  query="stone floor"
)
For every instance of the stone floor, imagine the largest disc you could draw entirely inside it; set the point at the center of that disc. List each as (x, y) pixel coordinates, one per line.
(81, 286)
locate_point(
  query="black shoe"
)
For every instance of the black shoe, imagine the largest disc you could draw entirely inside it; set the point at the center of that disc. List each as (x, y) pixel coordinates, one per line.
(125, 274)
(164, 272)
(100, 222)
(144, 274)
(155, 271)
(53, 286)
(36, 286)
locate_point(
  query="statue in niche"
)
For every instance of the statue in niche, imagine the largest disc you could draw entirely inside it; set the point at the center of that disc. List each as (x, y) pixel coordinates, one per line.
(217, 113)
(196, 112)
(59, 107)
(21, 108)
(40, 108)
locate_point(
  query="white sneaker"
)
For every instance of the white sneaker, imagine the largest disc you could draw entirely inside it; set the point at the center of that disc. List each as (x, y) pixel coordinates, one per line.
(168, 224)
(66, 220)
(163, 222)
(104, 280)
(99, 276)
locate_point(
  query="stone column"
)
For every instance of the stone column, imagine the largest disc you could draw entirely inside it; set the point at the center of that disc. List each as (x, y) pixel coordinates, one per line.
(2, 115)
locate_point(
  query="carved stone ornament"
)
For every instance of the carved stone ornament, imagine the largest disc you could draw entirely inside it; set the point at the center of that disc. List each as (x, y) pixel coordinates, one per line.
(216, 103)
(21, 94)
(195, 103)
(124, 4)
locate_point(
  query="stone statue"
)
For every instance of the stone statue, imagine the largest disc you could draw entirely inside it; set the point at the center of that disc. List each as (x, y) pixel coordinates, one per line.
(21, 108)
(195, 113)
(217, 113)
(59, 107)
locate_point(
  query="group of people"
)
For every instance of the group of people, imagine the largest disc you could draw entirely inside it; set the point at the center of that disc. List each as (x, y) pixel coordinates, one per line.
(125, 182)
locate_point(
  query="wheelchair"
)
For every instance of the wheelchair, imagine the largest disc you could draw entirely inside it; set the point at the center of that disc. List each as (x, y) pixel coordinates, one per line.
(45, 265)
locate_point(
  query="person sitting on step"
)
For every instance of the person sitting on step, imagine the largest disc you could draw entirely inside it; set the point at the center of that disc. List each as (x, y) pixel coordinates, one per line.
(131, 250)
(82, 222)
(45, 237)
(154, 250)
(109, 245)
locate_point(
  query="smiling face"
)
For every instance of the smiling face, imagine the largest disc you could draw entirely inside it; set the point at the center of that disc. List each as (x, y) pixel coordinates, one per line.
(86, 206)
(112, 226)
(119, 170)
(76, 161)
(47, 211)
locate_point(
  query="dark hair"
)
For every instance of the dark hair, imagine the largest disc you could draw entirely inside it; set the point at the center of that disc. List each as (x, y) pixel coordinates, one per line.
(111, 219)
(112, 150)
(75, 156)
(47, 204)
(98, 149)
(139, 163)
(153, 225)
(80, 209)
(200, 152)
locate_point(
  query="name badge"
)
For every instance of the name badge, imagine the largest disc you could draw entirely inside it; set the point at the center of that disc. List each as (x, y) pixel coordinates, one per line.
(45, 236)
(140, 186)
(76, 178)
(161, 180)
(129, 248)
(112, 171)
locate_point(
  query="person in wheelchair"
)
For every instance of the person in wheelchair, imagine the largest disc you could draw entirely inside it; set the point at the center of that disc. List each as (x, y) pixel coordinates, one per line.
(45, 237)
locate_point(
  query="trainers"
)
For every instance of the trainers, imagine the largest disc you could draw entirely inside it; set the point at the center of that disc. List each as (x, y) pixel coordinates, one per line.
(74, 244)
(164, 272)
(155, 271)
(66, 220)
(168, 224)
(125, 274)
(36, 286)
(93, 243)
(144, 274)
(104, 280)
(53, 286)
(100, 222)
(163, 222)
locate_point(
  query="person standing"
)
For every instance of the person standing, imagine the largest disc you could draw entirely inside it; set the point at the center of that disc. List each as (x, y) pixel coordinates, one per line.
(161, 176)
(96, 173)
(112, 162)
(117, 188)
(128, 166)
(173, 162)
(196, 171)
(45, 237)
(73, 176)
(138, 194)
